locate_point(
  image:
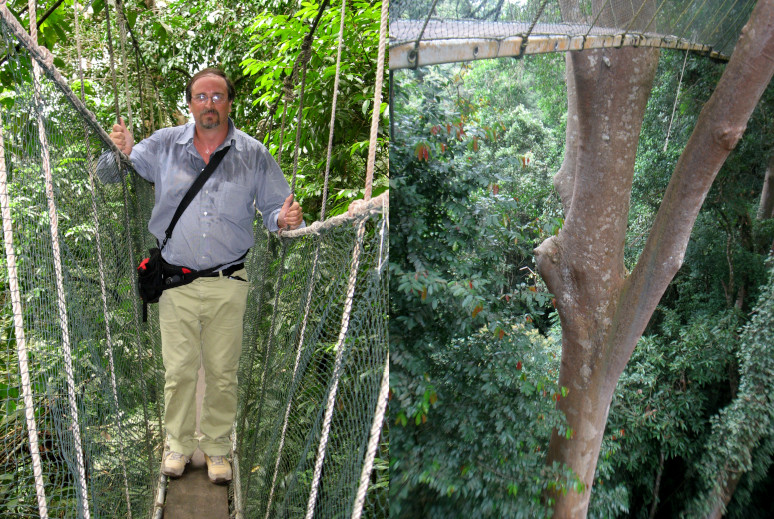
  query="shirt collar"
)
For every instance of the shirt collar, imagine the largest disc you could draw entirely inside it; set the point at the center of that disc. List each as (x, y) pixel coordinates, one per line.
(231, 137)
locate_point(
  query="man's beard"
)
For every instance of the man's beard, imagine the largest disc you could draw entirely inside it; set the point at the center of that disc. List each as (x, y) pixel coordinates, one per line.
(211, 125)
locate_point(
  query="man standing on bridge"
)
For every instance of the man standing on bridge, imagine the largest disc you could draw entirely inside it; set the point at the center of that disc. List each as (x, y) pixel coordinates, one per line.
(201, 322)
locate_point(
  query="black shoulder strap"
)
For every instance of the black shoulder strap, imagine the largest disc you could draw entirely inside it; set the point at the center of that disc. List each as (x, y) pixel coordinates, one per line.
(195, 187)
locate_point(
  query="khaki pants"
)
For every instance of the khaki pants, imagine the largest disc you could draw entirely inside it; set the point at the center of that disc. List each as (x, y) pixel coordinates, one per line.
(202, 322)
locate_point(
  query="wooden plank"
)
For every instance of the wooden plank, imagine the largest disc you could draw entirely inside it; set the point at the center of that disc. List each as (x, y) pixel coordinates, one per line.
(446, 41)
(193, 495)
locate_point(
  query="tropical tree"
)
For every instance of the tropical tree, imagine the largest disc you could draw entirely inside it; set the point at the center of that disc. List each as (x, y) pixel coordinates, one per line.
(603, 308)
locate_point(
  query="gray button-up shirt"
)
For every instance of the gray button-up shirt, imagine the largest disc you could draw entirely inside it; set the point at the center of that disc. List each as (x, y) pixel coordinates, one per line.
(217, 227)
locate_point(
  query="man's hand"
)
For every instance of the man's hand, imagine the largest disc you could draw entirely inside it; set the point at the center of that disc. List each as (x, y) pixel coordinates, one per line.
(122, 137)
(290, 214)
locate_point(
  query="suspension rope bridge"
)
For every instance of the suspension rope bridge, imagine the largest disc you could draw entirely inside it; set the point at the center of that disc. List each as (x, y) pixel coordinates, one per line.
(82, 399)
(448, 31)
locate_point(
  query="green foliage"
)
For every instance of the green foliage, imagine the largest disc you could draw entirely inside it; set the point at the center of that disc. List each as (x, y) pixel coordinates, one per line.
(276, 42)
(470, 454)
(470, 198)
(743, 427)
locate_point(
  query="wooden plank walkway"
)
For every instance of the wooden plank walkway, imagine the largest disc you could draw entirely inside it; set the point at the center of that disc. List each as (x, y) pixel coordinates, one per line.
(193, 495)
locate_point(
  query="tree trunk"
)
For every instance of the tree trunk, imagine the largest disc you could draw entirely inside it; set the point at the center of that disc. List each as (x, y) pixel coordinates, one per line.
(766, 206)
(657, 486)
(727, 493)
(583, 266)
(603, 312)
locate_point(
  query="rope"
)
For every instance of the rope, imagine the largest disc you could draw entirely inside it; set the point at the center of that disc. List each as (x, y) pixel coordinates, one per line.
(594, 22)
(333, 111)
(306, 53)
(414, 55)
(60, 292)
(240, 433)
(340, 346)
(313, 275)
(294, 384)
(373, 441)
(21, 343)
(111, 362)
(674, 107)
(525, 39)
(122, 48)
(76, 427)
(658, 10)
(377, 100)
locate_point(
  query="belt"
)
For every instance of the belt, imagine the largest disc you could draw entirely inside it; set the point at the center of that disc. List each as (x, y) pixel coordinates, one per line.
(226, 271)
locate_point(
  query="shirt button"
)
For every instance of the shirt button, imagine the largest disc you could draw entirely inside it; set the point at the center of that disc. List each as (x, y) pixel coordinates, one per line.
(204, 235)
(205, 213)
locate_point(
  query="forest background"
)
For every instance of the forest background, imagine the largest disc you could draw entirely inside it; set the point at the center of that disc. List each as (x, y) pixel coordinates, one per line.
(475, 337)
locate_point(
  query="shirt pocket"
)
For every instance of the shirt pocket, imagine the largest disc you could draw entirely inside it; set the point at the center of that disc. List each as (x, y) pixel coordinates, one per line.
(235, 203)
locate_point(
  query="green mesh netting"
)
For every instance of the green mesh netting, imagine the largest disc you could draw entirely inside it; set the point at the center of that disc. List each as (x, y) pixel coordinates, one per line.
(71, 324)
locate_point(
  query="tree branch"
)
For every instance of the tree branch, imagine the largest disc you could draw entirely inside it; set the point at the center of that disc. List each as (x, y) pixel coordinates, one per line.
(719, 127)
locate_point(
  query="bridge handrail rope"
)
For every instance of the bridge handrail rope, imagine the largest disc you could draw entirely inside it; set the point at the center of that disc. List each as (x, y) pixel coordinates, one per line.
(45, 60)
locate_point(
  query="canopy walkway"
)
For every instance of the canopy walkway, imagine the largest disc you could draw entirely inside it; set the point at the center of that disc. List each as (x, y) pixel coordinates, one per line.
(82, 401)
(446, 31)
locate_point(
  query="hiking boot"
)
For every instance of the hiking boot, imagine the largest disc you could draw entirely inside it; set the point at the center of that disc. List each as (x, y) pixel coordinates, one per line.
(174, 464)
(218, 469)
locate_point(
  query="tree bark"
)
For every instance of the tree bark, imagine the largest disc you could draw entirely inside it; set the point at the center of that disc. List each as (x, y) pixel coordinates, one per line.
(766, 206)
(583, 266)
(657, 486)
(603, 312)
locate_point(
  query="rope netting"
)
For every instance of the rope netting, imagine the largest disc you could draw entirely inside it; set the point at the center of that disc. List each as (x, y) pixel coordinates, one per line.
(82, 378)
(425, 32)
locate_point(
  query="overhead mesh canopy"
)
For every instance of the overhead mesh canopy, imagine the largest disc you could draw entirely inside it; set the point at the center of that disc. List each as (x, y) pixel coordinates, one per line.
(81, 385)
(424, 32)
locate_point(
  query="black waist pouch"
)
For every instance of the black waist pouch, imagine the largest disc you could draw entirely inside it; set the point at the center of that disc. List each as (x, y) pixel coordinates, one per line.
(150, 280)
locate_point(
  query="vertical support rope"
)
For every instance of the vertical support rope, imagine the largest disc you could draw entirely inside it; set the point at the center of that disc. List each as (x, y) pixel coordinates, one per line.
(377, 100)
(242, 423)
(124, 69)
(333, 111)
(306, 54)
(60, 292)
(340, 346)
(299, 349)
(111, 362)
(373, 440)
(310, 291)
(21, 343)
(674, 107)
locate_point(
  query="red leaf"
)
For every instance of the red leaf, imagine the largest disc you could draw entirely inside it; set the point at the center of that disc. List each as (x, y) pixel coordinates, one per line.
(477, 310)
(518, 365)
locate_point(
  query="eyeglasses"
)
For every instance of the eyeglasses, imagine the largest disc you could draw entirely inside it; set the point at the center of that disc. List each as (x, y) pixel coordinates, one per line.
(215, 98)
